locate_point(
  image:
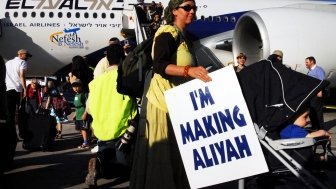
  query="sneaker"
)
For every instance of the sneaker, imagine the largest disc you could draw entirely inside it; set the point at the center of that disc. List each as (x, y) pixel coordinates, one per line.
(84, 146)
(91, 177)
(94, 149)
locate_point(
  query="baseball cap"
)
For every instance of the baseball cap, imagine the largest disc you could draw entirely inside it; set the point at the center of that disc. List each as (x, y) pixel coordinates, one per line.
(76, 82)
(278, 52)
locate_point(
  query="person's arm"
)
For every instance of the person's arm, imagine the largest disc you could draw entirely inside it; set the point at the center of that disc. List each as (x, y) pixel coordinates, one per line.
(29, 91)
(87, 108)
(198, 72)
(39, 96)
(99, 69)
(84, 101)
(84, 116)
(23, 81)
(321, 76)
(320, 73)
(126, 48)
(72, 77)
(48, 103)
(319, 133)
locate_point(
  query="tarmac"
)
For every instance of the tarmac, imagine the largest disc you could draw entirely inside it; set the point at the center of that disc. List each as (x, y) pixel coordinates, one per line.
(65, 166)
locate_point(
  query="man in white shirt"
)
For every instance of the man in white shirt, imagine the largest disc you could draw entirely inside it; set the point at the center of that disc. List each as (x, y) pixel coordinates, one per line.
(15, 85)
(103, 64)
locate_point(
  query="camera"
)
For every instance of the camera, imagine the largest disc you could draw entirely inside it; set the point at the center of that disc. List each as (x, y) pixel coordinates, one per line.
(126, 137)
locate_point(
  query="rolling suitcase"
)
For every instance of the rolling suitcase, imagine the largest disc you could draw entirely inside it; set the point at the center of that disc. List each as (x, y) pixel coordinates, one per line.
(41, 132)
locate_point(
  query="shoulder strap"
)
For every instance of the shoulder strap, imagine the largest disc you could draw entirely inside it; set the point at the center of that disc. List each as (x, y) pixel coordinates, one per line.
(148, 42)
(182, 38)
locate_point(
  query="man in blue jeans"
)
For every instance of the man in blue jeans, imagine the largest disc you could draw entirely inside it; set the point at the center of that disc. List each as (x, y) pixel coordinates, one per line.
(316, 103)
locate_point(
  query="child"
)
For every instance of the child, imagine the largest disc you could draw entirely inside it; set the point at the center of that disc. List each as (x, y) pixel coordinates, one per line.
(52, 93)
(80, 116)
(296, 130)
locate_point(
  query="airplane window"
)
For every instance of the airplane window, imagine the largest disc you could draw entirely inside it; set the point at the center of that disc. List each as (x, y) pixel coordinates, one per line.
(95, 15)
(33, 14)
(86, 15)
(7, 14)
(77, 15)
(112, 15)
(202, 18)
(210, 18)
(226, 19)
(42, 14)
(16, 14)
(218, 19)
(103, 15)
(24, 14)
(233, 19)
(69, 15)
(51, 14)
(60, 15)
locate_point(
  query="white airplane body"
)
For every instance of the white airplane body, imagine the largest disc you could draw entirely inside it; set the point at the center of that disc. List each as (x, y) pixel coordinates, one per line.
(54, 40)
(56, 30)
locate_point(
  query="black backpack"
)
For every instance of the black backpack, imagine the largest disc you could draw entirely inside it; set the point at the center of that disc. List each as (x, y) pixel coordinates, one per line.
(137, 64)
(131, 72)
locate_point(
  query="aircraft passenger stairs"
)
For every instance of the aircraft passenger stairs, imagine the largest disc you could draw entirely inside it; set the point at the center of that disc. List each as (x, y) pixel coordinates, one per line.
(0, 27)
(135, 23)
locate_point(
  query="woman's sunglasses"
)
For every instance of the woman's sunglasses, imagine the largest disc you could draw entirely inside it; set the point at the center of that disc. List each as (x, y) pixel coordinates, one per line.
(188, 8)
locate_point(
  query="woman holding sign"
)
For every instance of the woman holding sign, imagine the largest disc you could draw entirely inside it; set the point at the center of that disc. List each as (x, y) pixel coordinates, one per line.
(157, 161)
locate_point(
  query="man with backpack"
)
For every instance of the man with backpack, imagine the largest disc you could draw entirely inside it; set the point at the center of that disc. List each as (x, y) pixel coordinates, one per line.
(103, 64)
(110, 112)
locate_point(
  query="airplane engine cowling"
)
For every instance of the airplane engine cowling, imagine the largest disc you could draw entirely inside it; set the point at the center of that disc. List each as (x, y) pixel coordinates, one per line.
(297, 32)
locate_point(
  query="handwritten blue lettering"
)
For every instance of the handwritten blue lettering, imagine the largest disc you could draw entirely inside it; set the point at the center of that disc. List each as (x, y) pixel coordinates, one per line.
(208, 156)
(205, 97)
(212, 124)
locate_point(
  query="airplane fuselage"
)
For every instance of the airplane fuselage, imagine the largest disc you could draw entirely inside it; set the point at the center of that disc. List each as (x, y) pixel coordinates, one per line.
(56, 30)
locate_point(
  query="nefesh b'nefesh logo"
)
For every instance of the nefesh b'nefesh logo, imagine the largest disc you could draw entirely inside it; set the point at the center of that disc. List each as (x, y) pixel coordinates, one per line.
(67, 38)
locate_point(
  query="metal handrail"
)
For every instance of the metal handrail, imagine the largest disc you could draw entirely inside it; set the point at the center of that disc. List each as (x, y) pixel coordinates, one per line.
(0, 28)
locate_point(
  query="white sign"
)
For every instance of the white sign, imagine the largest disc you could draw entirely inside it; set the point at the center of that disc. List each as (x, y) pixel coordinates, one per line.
(214, 130)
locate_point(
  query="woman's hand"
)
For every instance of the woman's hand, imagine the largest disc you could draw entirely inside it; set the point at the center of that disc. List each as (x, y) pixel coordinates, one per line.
(199, 73)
